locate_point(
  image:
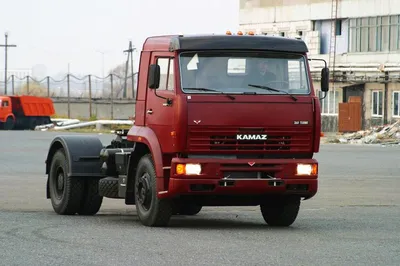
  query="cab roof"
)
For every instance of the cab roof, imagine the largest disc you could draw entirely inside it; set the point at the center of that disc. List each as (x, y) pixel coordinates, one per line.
(224, 42)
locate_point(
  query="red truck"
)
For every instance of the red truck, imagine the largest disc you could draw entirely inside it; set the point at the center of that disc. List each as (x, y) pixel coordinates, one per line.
(25, 112)
(220, 120)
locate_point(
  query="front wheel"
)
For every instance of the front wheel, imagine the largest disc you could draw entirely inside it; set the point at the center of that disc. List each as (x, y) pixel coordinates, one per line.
(281, 211)
(9, 124)
(151, 210)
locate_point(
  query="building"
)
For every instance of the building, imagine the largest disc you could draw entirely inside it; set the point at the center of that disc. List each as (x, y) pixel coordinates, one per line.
(364, 55)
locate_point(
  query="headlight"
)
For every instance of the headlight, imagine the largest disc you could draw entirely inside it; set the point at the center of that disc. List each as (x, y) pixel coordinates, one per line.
(188, 169)
(307, 169)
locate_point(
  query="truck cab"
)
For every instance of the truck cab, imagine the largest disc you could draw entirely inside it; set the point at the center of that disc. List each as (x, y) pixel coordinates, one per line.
(220, 120)
(6, 116)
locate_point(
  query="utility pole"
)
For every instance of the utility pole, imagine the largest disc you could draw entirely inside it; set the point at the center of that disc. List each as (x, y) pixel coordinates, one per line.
(130, 53)
(6, 45)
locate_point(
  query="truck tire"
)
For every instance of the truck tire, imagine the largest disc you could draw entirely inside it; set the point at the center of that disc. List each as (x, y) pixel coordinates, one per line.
(152, 211)
(40, 121)
(65, 192)
(9, 124)
(91, 201)
(108, 187)
(32, 123)
(281, 212)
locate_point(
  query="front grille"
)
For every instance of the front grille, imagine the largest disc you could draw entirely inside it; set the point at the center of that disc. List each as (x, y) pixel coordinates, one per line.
(250, 171)
(224, 139)
(249, 175)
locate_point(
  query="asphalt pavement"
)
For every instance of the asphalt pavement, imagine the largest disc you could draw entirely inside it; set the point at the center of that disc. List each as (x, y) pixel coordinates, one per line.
(353, 220)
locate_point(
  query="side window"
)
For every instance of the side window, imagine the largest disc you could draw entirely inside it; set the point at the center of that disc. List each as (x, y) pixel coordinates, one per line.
(4, 104)
(297, 75)
(167, 79)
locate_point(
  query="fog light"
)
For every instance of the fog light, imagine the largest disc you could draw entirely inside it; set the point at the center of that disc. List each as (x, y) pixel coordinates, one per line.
(188, 169)
(306, 169)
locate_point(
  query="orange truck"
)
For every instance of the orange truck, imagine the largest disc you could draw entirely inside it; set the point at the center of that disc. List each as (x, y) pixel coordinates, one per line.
(25, 112)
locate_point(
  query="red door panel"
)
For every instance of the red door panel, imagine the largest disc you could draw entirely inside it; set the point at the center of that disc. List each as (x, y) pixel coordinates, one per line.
(158, 116)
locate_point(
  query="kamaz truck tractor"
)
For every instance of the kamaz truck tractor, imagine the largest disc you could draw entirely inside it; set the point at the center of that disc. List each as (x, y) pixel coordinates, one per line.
(220, 120)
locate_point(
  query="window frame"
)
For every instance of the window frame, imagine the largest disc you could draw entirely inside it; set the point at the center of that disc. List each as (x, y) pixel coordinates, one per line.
(380, 98)
(3, 103)
(170, 65)
(384, 31)
(326, 103)
(398, 104)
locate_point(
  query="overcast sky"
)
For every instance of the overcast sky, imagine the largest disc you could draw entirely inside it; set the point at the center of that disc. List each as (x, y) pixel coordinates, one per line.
(57, 32)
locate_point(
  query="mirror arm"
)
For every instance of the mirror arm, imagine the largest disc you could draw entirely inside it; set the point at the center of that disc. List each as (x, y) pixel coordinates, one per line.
(326, 93)
(312, 59)
(168, 100)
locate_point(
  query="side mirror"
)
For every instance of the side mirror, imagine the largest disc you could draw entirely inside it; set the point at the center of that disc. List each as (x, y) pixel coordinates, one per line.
(154, 76)
(325, 79)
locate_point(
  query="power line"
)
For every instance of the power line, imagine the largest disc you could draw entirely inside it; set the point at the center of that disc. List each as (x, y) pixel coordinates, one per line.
(6, 45)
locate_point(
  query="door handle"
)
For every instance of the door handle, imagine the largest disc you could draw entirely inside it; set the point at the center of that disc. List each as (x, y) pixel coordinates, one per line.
(149, 111)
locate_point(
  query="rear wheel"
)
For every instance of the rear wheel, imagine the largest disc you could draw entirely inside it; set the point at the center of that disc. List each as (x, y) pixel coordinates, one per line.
(32, 123)
(91, 201)
(281, 211)
(151, 210)
(40, 121)
(65, 192)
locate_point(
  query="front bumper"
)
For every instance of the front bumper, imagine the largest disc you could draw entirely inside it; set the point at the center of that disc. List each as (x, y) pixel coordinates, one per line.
(242, 177)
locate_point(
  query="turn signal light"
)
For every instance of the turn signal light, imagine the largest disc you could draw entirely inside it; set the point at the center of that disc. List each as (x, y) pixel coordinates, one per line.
(180, 169)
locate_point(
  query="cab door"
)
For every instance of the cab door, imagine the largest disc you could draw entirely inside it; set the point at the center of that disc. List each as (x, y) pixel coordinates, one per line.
(5, 109)
(158, 115)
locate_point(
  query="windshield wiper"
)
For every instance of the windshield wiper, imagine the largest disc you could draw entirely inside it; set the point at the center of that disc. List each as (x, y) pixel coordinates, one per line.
(272, 89)
(205, 89)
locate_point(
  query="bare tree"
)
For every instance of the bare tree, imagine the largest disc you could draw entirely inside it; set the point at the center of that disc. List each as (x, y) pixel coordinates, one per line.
(118, 73)
(34, 89)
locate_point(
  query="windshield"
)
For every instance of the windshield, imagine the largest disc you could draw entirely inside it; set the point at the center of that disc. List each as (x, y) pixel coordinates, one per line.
(232, 72)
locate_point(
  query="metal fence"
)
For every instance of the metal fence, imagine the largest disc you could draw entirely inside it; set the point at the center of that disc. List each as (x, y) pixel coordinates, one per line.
(71, 86)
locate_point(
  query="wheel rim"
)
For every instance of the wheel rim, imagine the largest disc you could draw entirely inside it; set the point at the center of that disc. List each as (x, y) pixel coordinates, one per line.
(59, 183)
(143, 192)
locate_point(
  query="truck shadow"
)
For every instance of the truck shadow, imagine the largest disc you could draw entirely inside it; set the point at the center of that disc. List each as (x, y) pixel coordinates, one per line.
(199, 222)
(219, 224)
